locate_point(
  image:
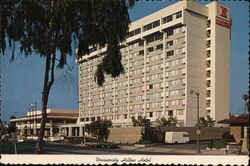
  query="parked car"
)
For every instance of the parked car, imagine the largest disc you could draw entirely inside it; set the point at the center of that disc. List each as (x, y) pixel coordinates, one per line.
(107, 145)
(91, 139)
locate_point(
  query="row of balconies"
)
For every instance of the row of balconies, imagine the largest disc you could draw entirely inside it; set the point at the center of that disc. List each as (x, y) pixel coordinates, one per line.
(208, 72)
(139, 85)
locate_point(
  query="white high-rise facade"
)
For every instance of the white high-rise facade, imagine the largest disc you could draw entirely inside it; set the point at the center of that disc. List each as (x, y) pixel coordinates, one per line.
(168, 53)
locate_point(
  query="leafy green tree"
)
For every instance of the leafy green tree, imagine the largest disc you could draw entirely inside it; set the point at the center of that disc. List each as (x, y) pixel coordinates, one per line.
(2, 128)
(99, 129)
(207, 122)
(56, 28)
(228, 137)
(11, 125)
(163, 122)
(144, 123)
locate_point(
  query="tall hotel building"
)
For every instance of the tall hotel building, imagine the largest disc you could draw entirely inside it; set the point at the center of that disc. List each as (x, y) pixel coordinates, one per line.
(168, 53)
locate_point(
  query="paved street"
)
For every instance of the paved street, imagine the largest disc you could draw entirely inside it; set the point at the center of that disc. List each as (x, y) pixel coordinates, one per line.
(66, 148)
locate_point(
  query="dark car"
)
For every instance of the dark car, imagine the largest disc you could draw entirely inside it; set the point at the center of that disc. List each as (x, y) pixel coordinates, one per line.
(107, 145)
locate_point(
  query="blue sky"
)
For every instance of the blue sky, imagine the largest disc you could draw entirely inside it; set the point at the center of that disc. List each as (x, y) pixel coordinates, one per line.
(22, 79)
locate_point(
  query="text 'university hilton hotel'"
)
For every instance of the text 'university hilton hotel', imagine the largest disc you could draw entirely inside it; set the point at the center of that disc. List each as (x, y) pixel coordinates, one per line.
(181, 47)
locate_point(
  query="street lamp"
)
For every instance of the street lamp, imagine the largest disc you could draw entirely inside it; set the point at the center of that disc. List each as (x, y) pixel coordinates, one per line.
(198, 121)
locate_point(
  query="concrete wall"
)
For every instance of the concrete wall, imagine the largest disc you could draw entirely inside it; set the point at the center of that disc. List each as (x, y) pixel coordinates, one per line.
(125, 135)
(133, 134)
(196, 66)
(236, 132)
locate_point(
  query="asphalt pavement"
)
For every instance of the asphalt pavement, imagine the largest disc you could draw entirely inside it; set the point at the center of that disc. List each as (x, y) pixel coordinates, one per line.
(67, 148)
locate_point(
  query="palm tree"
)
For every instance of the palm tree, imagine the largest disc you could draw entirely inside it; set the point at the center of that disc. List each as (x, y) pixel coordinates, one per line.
(57, 28)
(163, 122)
(207, 122)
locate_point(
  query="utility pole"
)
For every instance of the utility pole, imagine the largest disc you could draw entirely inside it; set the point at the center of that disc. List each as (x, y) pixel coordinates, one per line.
(198, 121)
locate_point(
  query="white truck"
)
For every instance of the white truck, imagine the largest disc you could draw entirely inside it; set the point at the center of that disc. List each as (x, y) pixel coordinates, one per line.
(176, 137)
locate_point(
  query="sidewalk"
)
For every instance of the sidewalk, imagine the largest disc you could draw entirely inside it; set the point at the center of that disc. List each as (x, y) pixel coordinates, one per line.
(175, 151)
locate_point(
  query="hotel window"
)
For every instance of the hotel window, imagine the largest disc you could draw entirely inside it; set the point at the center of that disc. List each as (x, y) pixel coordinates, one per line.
(208, 83)
(167, 64)
(167, 103)
(179, 51)
(179, 112)
(167, 93)
(156, 23)
(178, 30)
(170, 32)
(151, 25)
(208, 43)
(208, 103)
(208, 93)
(137, 31)
(170, 53)
(170, 113)
(208, 53)
(141, 52)
(141, 42)
(150, 114)
(160, 46)
(125, 116)
(208, 23)
(167, 19)
(208, 73)
(151, 49)
(134, 32)
(170, 43)
(179, 40)
(158, 36)
(178, 14)
(208, 33)
(147, 27)
(208, 63)
(158, 114)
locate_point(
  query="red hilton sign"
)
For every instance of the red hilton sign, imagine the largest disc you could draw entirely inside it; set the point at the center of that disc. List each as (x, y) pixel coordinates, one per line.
(224, 23)
(223, 11)
(223, 19)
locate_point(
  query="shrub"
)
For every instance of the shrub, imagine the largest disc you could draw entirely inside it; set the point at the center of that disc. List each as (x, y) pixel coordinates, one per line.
(228, 137)
(217, 144)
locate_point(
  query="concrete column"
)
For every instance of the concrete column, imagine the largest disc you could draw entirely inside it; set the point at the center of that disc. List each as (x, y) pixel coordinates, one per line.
(29, 128)
(51, 128)
(34, 128)
(22, 128)
(81, 131)
(76, 131)
(70, 131)
(50, 131)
